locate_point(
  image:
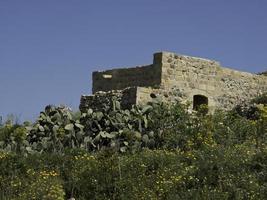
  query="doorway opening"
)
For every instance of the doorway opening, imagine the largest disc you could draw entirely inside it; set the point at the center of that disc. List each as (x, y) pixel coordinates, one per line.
(199, 100)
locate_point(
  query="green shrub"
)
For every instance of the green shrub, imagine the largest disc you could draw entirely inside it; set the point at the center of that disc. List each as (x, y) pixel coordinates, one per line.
(261, 99)
(156, 151)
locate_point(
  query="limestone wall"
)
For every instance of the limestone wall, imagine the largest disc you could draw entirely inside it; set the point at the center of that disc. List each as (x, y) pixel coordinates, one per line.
(196, 76)
(99, 100)
(174, 77)
(233, 87)
(118, 79)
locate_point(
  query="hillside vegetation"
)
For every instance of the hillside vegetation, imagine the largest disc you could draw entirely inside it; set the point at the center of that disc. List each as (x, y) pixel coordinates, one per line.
(155, 151)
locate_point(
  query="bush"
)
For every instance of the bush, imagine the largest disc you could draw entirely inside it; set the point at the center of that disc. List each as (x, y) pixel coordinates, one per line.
(237, 172)
(156, 151)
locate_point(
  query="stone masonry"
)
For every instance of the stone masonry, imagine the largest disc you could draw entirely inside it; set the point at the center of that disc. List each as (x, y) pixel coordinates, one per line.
(172, 78)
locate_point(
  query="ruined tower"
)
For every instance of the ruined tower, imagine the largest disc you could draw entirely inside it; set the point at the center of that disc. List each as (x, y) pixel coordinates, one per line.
(172, 78)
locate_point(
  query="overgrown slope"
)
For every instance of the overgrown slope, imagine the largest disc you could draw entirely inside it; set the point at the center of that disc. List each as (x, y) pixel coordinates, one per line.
(151, 152)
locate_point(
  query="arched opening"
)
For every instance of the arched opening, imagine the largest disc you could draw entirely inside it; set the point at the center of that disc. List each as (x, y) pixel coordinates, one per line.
(153, 96)
(199, 100)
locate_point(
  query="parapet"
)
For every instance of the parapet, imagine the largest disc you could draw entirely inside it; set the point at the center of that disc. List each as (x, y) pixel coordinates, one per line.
(118, 79)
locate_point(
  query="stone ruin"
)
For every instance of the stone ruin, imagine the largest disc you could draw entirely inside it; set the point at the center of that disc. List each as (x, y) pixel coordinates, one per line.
(173, 78)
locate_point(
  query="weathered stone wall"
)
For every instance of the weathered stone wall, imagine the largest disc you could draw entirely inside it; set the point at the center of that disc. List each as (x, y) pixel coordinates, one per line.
(233, 87)
(97, 101)
(196, 76)
(174, 77)
(127, 97)
(118, 79)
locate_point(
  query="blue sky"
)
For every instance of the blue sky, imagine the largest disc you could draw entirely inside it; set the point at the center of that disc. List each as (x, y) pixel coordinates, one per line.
(48, 49)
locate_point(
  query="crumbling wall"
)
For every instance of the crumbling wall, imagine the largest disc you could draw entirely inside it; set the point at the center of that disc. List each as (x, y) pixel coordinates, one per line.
(234, 87)
(119, 79)
(99, 100)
